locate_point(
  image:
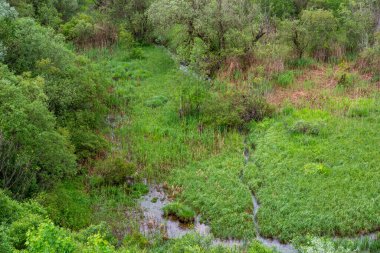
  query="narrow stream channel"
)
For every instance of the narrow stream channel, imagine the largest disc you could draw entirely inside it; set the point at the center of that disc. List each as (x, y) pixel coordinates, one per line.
(280, 247)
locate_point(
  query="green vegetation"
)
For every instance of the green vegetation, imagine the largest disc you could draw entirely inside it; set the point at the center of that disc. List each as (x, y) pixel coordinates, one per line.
(314, 171)
(99, 96)
(179, 211)
(218, 194)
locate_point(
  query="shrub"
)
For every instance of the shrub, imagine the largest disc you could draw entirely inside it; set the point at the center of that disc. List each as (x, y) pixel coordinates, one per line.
(191, 99)
(286, 78)
(234, 109)
(257, 247)
(125, 39)
(179, 211)
(10, 209)
(49, 238)
(102, 229)
(88, 144)
(19, 228)
(348, 80)
(115, 170)
(316, 245)
(136, 53)
(5, 242)
(306, 127)
(369, 60)
(67, 205)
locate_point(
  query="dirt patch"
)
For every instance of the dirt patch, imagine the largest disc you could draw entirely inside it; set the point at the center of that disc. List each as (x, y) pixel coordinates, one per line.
(314, 86)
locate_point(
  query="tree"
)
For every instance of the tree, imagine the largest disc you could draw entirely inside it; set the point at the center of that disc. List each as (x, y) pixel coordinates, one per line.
(322, 32)
(33, 154)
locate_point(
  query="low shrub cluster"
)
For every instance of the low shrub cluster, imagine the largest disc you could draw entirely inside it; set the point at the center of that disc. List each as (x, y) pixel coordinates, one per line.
(234, 109)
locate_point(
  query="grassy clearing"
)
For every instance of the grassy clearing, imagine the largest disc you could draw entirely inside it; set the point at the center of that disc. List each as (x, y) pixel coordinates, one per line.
(318, 173)
(154, 136)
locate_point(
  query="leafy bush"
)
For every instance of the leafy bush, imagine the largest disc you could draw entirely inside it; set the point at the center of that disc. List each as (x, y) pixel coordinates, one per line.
(49, 238)
(5, 241)
(19, 228)
(101, 229)
(257, 247)
(115, 170)
(10, 209)
(348, 80)
(88, 144)
(179, 211)
(136, 53)
(67, 205)
(234, 109)
(29, 141)
(316, 245)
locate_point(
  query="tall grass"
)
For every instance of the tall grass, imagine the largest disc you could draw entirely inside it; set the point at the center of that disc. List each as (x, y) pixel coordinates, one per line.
(320, 178)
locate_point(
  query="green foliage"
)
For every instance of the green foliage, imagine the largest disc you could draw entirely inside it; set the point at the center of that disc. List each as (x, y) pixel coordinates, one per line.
(316, 245)
(67, 205)
(10, 209)
(88, 144)
(233, 109)
(93, 230)
(5, 242)
(19, 228)
(179, 211)
(6, 11)
(115, 170)
(48, 238)
(30, 143)
(79, 29)
(257, 247)
(321, 32)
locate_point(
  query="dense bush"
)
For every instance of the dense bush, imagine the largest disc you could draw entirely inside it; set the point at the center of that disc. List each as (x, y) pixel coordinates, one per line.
(75, 89)
(33, 152)
(67, 205)
(233, 109)
(115, 170)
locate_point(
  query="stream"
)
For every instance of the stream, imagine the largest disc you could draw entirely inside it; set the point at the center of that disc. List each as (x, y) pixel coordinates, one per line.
(153, 220)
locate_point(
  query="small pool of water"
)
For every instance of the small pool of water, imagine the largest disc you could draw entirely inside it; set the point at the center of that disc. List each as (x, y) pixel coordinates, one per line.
(154, 222)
